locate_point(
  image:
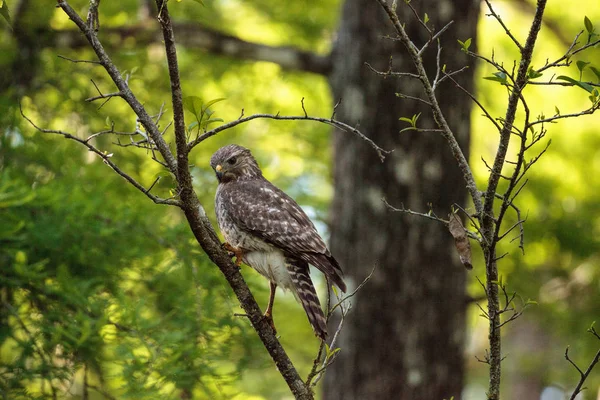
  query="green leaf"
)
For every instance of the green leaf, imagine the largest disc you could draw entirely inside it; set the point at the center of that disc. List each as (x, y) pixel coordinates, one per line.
(193, 104)
(426, 19)
(585, 86)
(210, 103)
(497, 77)
(465, 45)
(594, 97)
(335, 292)
(589, 27)
(581, 65)
(532, 73)
(192, 125)
(5, 13)
(557, 111)
(412, 121)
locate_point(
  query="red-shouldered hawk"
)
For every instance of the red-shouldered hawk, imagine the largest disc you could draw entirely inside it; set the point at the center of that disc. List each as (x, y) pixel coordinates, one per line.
(267, 230)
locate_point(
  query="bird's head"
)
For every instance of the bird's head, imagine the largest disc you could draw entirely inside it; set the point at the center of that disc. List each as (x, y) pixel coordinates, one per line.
(233, 162)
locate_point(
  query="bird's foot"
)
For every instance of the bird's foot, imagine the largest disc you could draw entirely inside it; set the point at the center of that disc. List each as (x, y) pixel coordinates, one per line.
(234, 252)
(267, 315)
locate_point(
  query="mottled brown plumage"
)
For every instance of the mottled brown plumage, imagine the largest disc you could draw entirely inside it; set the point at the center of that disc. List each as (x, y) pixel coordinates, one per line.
(270, 231)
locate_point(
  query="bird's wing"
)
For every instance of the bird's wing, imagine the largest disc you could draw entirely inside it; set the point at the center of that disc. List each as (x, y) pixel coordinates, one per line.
(262, 209)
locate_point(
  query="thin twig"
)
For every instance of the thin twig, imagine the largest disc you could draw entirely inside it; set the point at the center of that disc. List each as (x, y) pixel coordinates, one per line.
(506, 30)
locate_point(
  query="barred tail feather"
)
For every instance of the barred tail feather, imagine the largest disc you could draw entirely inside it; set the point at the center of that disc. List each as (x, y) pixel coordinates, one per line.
(328, 265)
(307, 295)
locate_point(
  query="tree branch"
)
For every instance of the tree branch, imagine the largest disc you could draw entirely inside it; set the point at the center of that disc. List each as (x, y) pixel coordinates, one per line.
(106, 157)
(193, 210)
(438, 116)
(121, 84)
(335, 123)
(195, 36)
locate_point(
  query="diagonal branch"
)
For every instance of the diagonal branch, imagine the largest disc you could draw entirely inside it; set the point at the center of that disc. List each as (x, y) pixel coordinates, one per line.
(188, 201)
(121, 84)
(107, 160)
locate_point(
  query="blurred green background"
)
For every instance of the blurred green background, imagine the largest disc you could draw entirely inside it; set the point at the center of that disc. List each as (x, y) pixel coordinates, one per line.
(98, 283)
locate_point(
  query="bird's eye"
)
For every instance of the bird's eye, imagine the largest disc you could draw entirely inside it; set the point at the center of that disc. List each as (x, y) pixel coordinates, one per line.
(231, 161)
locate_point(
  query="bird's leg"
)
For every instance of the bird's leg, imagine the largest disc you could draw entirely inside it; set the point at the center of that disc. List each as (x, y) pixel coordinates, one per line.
(238, 253)
(269, 312)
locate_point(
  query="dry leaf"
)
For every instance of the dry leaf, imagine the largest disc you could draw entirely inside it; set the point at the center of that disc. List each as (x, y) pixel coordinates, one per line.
(461, 240)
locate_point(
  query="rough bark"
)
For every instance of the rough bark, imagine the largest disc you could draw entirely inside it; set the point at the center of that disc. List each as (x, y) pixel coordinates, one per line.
(404, 338)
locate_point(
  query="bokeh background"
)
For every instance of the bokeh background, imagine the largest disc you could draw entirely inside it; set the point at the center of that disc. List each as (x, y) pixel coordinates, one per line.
(102, 288)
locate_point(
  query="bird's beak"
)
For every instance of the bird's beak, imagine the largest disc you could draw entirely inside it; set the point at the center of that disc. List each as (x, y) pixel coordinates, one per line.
(219, 171)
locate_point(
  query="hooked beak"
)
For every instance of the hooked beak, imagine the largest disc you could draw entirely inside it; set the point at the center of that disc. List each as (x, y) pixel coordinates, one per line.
(219, 172)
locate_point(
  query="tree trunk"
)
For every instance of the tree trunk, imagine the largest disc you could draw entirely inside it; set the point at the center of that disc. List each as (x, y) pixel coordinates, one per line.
(404, 337)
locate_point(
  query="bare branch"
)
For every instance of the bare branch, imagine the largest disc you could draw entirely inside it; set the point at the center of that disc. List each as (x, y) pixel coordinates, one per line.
(389, 72)
(429, 215)
(115, 75)
(583, 375)
(437, 112)
(107, 160)
(80, 61)
(589, 111)
(435, 37)
(317, 372)
(340, 125)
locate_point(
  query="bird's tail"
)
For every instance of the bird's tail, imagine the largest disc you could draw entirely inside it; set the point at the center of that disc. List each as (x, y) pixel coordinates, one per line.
(328, 265)
(307, 295)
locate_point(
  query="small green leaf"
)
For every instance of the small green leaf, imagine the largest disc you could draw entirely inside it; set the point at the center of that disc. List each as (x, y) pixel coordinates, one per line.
(585, 86)
(335, 292)
(465, 45)
(426, 19)
(210, 103)
(581, 65)
(531, 302)
(192, 125)
(107, 122)
(589, 27)
(193, 104)
(497, 77)
(557, 111)
(532, 73)
(594, 97)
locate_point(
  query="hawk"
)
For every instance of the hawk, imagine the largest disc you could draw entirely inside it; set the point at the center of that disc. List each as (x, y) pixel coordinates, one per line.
(267, 230)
